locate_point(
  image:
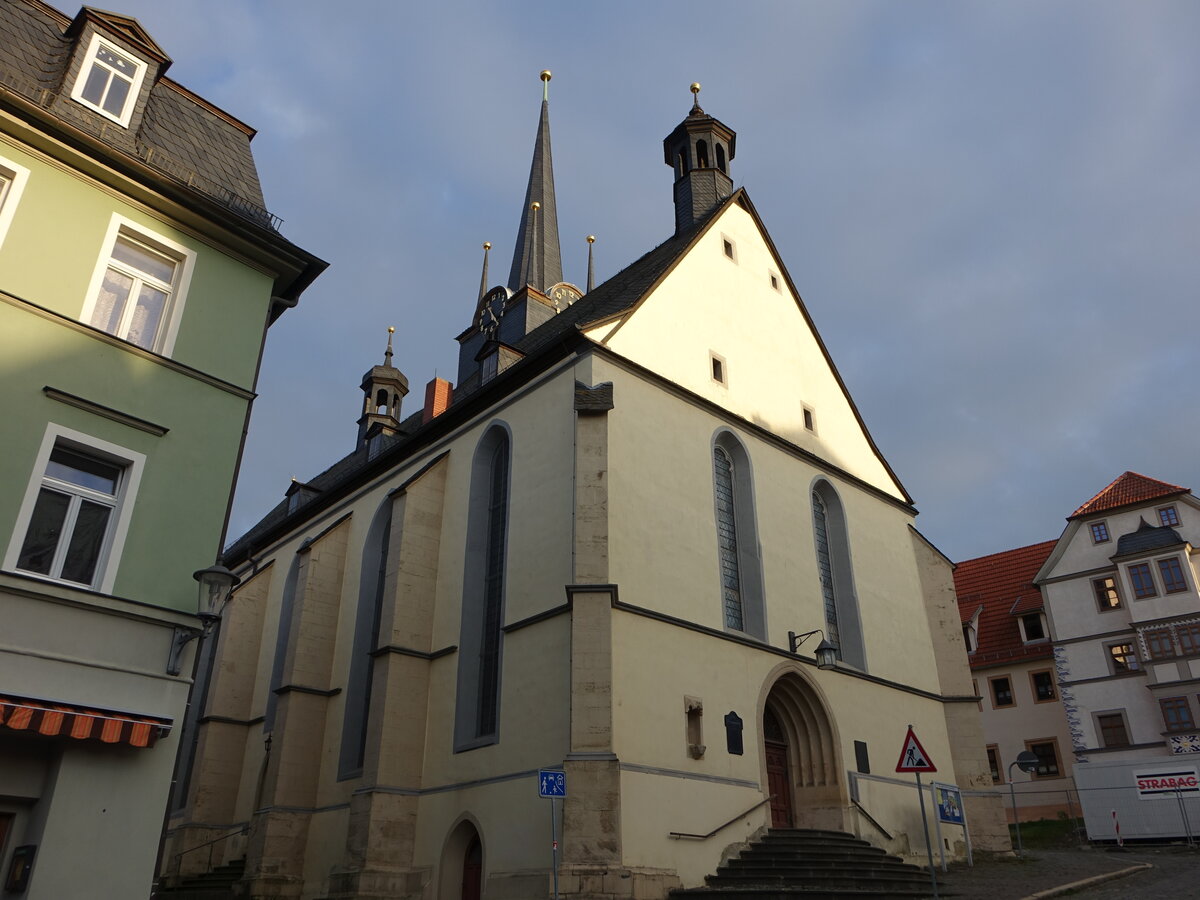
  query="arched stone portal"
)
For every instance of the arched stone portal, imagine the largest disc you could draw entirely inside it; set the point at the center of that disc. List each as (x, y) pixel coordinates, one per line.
(461, 869)
(801, 756)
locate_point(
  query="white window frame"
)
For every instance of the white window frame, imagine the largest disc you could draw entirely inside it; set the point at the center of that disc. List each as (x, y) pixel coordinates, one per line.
(10, 196)
(85, 69)
(132, 464)
(1025, 638)
(168, 330)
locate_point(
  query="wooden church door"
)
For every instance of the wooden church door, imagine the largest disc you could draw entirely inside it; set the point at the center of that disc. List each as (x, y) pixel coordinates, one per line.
(779, 784)
(472, 870)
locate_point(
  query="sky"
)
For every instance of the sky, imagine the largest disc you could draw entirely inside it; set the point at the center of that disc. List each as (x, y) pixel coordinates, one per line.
(990, 209)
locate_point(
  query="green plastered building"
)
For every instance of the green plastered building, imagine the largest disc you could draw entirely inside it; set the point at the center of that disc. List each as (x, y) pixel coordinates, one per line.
(139, 272)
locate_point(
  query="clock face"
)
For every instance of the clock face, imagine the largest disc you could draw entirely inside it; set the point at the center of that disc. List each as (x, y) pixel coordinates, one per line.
(491, 307)
(564, 293)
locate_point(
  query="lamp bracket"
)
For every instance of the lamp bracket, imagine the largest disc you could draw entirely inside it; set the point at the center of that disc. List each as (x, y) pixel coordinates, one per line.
(181, 638)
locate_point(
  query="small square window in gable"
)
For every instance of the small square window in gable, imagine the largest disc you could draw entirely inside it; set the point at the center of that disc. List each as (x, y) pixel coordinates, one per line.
(1099, 532)
(774, 281)
(729, 246)
(719, 368)
(810, 419)
(1168, 516)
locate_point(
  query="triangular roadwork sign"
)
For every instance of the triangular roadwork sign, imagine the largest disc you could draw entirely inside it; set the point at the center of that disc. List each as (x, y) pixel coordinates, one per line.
(913, 757)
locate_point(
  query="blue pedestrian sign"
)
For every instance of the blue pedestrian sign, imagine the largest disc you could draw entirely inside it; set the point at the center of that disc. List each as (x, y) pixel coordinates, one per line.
(552, 783)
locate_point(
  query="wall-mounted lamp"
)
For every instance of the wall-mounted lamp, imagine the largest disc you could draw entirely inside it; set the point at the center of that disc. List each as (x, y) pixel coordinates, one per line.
(826, 652)
(216, 584)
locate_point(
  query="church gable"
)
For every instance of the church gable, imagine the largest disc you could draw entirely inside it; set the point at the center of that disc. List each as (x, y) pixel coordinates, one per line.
(725, 323)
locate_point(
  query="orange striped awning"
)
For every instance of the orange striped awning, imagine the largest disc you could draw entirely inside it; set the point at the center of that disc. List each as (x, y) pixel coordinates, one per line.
(52, 719)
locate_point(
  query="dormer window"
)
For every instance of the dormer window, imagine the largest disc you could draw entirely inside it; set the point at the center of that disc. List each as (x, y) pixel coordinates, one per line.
(109, 81)
(968, 633)
(1033, 628)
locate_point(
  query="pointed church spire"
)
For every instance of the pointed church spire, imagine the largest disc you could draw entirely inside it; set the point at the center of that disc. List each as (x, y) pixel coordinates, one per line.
(591, 239)
(537, 258)
(487, 245)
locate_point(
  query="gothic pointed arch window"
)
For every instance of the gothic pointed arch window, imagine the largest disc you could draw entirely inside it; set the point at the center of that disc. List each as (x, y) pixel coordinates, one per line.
(681, 163)
(287, 608)
(839, 603)
(738, 554)
(366, 638)
(477, 710)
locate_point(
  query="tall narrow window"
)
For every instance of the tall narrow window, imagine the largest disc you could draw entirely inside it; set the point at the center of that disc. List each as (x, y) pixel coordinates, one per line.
(366, 639)
(737, 538)
(720, 157)
(287, 607)
(701, 154)
(477, 709)
(835, 575)
(493, 593)
(731, 579)
(825, 571)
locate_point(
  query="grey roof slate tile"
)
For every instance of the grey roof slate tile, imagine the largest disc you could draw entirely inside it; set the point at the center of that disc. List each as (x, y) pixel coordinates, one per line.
(616, 295)
(1147, 539)
(179, 135)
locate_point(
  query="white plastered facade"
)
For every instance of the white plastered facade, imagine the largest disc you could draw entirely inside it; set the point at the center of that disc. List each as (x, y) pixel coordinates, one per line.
(613, 626)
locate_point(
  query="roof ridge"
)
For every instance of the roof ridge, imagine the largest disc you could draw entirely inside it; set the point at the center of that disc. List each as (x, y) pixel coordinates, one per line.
(1127, 489)
(1039, 544)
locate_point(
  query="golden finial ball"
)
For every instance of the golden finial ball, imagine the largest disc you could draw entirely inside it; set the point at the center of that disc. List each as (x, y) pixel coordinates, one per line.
(487, 245)
(391, 330)
(546, 75)
(535, 206)
(591, 239)
(695, 87)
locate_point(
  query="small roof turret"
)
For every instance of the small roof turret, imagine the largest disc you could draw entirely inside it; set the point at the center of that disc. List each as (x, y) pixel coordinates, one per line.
(699, 150)
(383, 388)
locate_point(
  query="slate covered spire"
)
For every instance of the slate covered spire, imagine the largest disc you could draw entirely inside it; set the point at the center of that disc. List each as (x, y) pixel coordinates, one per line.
(537, 258)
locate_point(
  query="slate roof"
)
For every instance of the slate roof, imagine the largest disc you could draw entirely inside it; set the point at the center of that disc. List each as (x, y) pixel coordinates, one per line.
(1129, 489)
(1002, 584)
(552, 338)
(180, 135)
(546, 263)
(1147, 539)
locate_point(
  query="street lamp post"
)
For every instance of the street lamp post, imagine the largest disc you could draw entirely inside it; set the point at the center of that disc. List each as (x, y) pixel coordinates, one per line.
(1026, 761)
(216, 586)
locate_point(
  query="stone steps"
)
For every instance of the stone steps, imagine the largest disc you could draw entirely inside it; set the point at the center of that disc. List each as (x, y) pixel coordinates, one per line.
(794, 864)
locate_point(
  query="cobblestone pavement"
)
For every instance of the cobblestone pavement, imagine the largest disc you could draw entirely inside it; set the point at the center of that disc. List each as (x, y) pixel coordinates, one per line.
(1174, 872)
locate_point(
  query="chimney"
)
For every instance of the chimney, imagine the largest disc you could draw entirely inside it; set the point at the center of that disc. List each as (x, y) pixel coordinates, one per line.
(439, 393)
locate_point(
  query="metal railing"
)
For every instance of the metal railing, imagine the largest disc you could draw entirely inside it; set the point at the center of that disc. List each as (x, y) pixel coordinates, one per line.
(703, 837)
(178, 857)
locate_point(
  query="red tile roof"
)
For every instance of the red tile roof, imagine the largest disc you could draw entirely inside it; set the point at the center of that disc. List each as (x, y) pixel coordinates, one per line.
(1129, 489)
(1002, 584)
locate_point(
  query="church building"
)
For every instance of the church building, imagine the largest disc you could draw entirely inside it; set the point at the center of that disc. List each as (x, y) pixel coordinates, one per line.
(645, 540)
